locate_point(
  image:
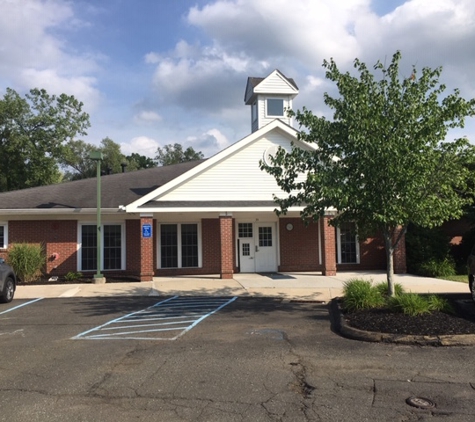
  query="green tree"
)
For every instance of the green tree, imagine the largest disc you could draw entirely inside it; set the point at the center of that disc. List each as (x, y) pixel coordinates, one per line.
(174, 154)
(33, 132)
(76, 156)
(382, 161)
(141, 161)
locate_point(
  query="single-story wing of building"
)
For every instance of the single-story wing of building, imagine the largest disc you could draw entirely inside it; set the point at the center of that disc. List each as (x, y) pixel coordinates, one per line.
(212, 216)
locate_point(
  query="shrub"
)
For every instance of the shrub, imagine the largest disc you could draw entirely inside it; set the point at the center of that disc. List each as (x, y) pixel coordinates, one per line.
(360, 294)
(383, 289)
(437, 303)
(438, 268)
(71, 276)
(27, 260)
(410, 304)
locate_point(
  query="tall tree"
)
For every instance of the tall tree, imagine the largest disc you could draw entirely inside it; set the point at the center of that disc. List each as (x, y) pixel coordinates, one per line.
(383, 161)
(141, 161)
(76, 156)
(174, 154)
(33, 132)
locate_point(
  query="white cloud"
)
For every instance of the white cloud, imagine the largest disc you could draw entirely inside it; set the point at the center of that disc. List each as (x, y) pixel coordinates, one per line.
(147, 117)
(31, 56)
(142, 145)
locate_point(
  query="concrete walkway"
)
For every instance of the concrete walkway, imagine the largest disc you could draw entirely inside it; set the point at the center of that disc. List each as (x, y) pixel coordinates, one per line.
(289, 286)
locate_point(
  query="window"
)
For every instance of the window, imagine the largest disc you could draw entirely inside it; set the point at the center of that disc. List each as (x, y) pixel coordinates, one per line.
(3, 236)
(347, 244)
(245, 229)
(179, 245)
(265, 236)
(112, 247)
(275, 107)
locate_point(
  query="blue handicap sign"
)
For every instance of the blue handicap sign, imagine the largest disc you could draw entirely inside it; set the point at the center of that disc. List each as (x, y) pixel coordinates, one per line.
(146, 230)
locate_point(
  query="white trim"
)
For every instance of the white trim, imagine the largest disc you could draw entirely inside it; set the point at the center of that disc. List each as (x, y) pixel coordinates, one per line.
(338, 243)
(4, 224)
(46, 211)
(123, 255)
(200, 245)
(275, 124)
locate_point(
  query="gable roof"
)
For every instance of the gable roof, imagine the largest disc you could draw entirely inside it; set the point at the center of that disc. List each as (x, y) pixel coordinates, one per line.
(142, 203)
(253, 85)
(116, 189)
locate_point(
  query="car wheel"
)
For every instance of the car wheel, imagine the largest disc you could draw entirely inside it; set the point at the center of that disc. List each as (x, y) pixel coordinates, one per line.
(8, 291)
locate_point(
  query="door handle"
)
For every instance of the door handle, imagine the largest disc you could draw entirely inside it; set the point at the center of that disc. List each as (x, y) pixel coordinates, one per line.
(257, 249)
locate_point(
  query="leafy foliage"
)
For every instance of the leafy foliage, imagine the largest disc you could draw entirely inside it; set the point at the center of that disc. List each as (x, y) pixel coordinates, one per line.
(361, 294)
(27, 260)
(72, 276)
(383, 289)
(383, 161)
(437, 268)
(76, 156)
(174, 154)
(33, 133)
(141, 161)
(410, 304)
(425, 244)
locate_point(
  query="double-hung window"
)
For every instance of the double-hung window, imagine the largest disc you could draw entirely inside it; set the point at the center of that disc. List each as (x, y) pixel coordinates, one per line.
(3, 236)
(179, 245)
(112, 247)
(347, 244)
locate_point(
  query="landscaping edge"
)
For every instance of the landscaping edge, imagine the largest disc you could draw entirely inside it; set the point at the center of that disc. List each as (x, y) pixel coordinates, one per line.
(371, 336)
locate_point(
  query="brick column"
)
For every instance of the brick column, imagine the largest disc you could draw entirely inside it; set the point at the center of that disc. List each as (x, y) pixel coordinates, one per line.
(226, 237)
(327, 234)
(399, 255)
(146, 250)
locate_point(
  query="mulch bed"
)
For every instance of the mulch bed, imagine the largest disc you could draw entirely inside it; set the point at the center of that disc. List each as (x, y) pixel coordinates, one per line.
(432, 324)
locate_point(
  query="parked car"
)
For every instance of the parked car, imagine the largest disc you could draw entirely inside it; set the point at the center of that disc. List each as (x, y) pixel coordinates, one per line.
(471, 272)
(7, 282)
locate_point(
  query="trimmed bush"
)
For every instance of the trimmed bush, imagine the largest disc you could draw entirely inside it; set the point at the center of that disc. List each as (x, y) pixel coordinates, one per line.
(27, 260)
(361, 294)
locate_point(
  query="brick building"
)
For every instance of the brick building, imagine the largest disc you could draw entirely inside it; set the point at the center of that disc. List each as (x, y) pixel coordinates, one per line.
(213, 216)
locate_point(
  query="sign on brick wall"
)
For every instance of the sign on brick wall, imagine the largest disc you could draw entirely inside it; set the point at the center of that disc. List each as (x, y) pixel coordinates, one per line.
(146, 230)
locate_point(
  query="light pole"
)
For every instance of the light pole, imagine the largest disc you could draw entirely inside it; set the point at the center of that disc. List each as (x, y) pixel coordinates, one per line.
(98, 157)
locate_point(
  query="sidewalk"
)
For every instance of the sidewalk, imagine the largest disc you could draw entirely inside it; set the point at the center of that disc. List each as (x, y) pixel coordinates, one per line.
(289, 286)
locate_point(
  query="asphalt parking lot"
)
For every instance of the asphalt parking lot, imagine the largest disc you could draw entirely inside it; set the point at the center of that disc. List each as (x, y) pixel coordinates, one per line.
(253, 359)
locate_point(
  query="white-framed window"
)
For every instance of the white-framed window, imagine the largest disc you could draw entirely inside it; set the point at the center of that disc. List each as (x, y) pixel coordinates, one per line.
(112, 246)
(179, 245)
(275, 107)
(3, 235)
(348, 247)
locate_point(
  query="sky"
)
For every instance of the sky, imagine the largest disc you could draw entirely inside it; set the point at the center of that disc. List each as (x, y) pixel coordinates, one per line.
(158, 72)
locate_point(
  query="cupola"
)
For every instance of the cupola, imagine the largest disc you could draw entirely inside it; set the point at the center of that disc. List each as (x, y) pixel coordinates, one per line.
(269, 98)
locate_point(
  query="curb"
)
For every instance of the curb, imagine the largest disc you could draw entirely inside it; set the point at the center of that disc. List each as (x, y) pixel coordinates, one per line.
(376, 337)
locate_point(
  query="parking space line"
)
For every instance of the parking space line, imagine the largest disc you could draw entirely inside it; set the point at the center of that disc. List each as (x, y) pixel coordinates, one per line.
(20, 306)
(160, 321)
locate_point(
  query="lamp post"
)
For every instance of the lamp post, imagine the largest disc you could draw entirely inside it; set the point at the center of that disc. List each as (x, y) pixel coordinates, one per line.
(98, 157)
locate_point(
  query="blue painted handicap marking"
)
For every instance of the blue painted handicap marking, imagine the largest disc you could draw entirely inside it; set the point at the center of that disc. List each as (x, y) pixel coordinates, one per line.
(166, 320)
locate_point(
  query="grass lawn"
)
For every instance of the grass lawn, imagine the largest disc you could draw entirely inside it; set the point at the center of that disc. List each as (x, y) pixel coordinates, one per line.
(462, 278)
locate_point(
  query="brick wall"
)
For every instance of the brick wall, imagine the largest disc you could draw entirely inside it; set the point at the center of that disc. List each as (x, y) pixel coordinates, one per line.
(299, 246)
(227, 246)
(58, 237)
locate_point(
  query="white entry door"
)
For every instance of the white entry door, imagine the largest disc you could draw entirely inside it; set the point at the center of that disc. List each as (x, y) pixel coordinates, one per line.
(257, 247)
(265, 247)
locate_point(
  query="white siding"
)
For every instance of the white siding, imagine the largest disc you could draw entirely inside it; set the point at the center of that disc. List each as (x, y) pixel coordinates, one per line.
(263, 119)
(237, 177)
(275, 84)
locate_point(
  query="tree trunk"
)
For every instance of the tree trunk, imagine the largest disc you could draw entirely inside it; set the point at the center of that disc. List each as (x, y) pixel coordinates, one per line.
(388, 243)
